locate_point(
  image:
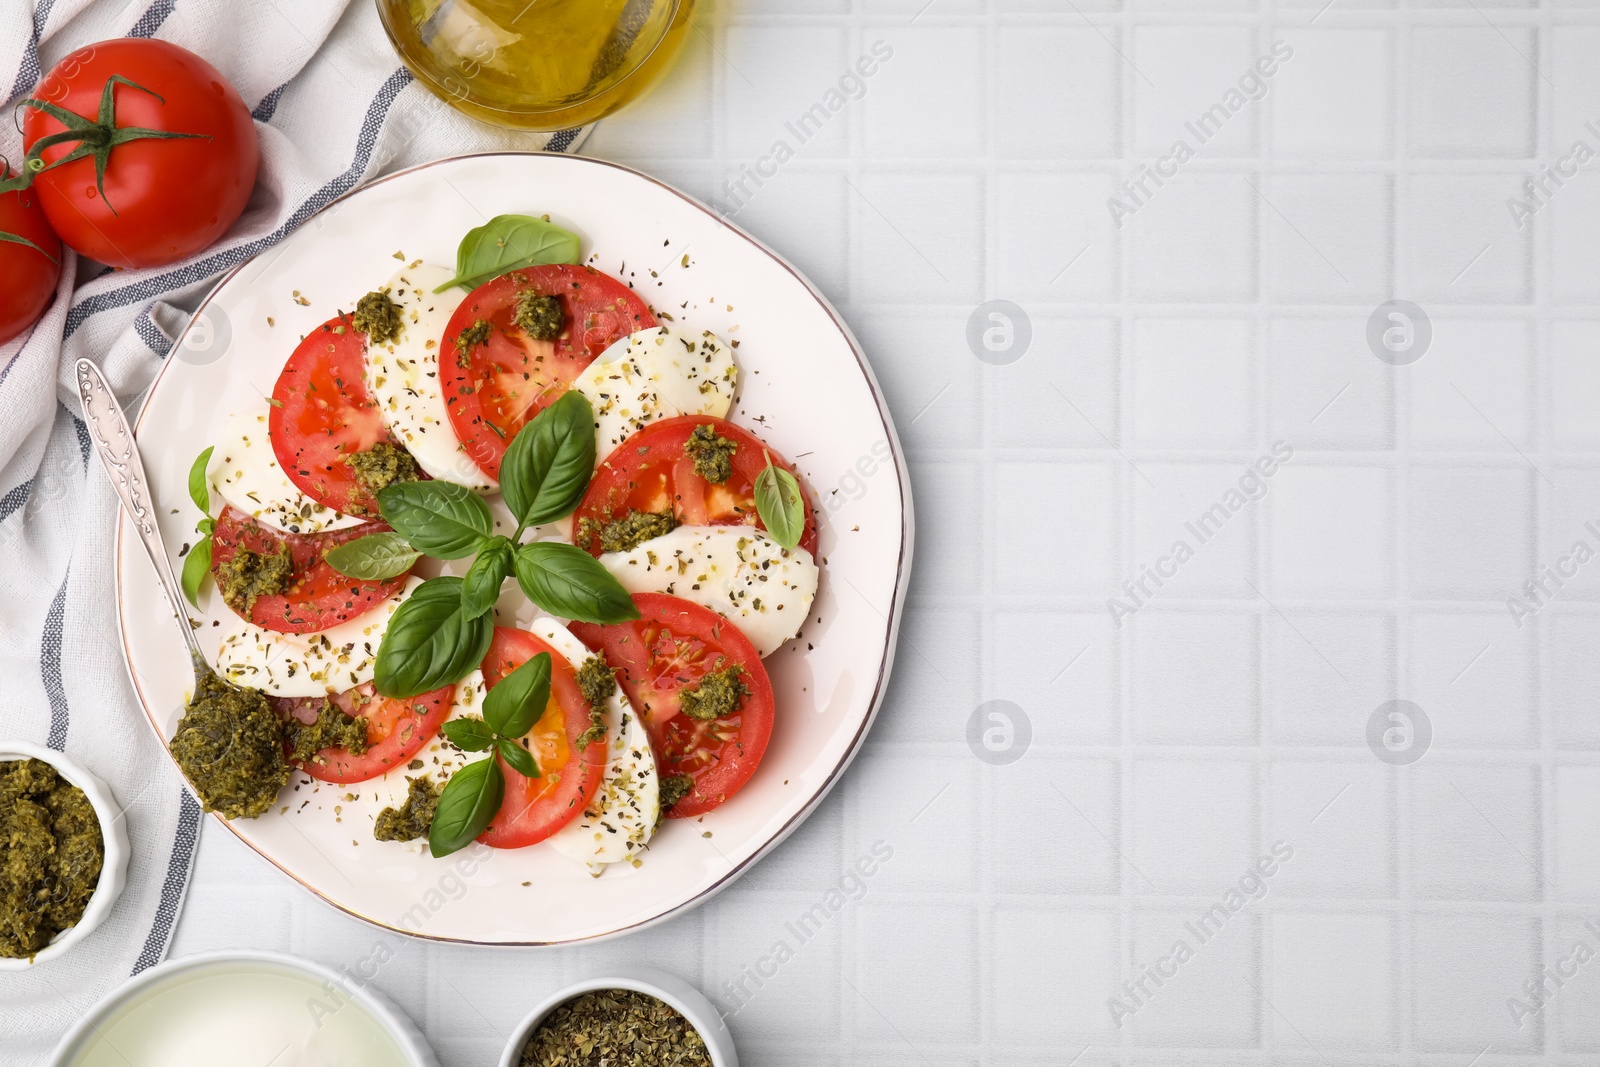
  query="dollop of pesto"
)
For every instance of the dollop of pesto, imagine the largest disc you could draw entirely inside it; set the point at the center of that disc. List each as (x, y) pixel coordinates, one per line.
(597, 682)
(629, 532)
(470, 338)
(674, 788)
(382, 465)
(712, 454)
(249, 575)
(230, 746)
(51, 853)
(378, 317)
(412, 819)
(718, 695)
(333, 729)
(540, 317)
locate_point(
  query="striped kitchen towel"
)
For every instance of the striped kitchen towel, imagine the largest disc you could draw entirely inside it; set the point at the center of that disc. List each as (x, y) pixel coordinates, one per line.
(334, 108)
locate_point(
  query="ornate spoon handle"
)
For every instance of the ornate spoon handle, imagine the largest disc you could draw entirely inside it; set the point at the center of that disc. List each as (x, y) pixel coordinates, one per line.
(113, 442)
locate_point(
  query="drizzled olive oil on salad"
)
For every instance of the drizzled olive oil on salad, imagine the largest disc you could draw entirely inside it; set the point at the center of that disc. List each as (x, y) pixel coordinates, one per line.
(239, 1012)
(537, 64)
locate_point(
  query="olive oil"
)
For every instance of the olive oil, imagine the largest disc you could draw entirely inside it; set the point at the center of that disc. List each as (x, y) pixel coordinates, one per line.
(537, 64)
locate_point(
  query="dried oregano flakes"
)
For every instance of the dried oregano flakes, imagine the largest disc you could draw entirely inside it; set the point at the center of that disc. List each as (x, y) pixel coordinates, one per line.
(615, 1028)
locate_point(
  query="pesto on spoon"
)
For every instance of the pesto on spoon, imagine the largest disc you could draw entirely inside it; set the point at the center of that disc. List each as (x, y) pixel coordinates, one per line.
(230, 741)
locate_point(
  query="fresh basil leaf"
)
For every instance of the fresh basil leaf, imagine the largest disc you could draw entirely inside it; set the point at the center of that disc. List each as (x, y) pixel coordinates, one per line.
(466, 806)
(206, 525)
(437, 518)
(430, 642)
(779, 504)
(195, 568)
(469, 734)
(517, 700)
(565, 580)
(374, 558)
(199, 490)
(547, 468)
(507, 242)
(481, 587)
(521, 759)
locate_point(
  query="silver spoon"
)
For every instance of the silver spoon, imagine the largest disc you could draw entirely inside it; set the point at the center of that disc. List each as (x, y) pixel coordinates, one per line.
(114, 444)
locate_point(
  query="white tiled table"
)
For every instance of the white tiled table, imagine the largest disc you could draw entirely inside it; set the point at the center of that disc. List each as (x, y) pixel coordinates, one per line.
(1230, 710)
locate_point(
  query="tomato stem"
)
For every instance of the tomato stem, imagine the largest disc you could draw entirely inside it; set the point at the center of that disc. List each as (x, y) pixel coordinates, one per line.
(94, 137)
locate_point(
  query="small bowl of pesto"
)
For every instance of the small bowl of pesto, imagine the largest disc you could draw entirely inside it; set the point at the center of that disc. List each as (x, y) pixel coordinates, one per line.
(63, 853)
(634, 1016)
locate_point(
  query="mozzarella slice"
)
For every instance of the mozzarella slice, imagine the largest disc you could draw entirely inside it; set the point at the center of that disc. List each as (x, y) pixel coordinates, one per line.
(737, 571)
(245, 473)
(403, 376)
(308, 665)
(656, 374)
(623, 814)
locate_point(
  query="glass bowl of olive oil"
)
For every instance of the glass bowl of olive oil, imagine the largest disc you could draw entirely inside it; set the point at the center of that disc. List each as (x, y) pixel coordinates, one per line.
(537, 64)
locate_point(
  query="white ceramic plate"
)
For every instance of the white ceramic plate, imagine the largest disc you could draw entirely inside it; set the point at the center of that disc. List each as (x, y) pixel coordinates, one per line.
(806, 388)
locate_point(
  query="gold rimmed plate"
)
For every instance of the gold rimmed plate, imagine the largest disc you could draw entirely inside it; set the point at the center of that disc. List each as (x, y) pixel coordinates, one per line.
(806, 388)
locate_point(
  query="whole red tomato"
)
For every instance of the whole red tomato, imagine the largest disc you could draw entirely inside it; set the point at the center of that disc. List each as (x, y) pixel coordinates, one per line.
(27, 275)
(164, 199)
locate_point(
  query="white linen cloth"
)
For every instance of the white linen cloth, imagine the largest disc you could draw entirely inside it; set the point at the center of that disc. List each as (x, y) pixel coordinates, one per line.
(334, 107)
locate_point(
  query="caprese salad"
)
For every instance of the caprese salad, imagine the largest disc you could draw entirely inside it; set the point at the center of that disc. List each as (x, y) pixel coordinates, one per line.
(530, 423)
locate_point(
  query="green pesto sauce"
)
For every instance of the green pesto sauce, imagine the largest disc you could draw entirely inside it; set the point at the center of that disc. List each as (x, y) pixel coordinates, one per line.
(468, 339)
(230, 746)
(674, 788)
(718, 695)
(51, 853)
(378, 317)
(597, 681)
(333, 729)
(249, 575)
(540, 317)
(624, 534)
(382, 465)
(712, 455)
(412, 819)
(615, 1028)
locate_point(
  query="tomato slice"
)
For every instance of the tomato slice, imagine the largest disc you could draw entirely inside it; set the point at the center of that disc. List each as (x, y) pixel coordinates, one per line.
(650, 472)
(320, 596)
(396, 729)
(322, 412)
(670, 647)
(535, 808)
(510, 377)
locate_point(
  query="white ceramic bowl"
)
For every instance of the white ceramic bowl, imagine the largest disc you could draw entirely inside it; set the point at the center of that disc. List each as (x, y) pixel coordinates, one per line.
(690, 1002)
(412, 1044)
(113, 834)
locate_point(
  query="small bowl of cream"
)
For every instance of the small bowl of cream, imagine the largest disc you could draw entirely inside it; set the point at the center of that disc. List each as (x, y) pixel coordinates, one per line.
(244, 1007)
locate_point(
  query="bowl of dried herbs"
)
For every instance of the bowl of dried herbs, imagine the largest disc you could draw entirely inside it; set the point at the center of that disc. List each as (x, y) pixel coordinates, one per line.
(638, 1018)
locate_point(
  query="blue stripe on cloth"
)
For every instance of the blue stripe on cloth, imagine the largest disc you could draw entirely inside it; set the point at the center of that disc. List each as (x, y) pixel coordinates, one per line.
(151, 20)
(50, 667)
(200, 270)
(152, 335)
(561, 140)
(28, 73)
(269, 104)
(172, 886)
(84, 444)
(14, 499)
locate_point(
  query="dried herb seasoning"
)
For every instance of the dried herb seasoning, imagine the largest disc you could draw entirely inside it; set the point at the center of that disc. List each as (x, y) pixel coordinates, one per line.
(615, 1028)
